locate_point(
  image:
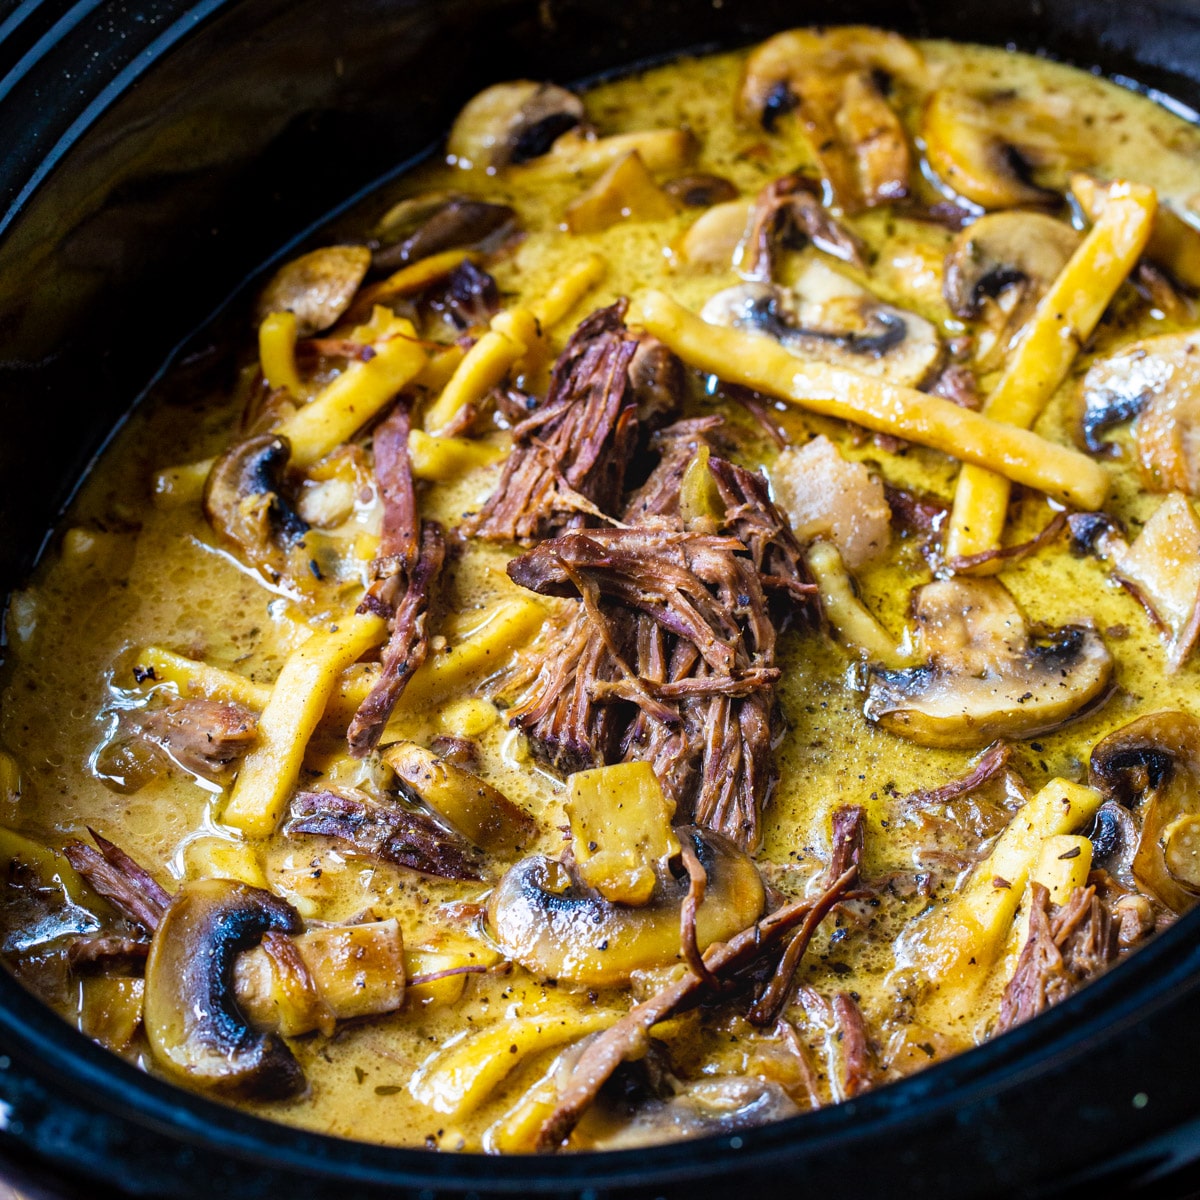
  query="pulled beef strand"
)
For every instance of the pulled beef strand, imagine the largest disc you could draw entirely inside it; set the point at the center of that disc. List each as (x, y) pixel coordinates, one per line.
(407, 570)
(570, 454)
(106, 952)
(388, 833)
(849, 823)
(1068, 944)
(992, 762)
(629, 1037)
(127, 885)
(858, 1060)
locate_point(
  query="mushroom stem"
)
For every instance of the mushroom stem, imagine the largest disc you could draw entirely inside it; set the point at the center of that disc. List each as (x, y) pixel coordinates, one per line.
(754, 362)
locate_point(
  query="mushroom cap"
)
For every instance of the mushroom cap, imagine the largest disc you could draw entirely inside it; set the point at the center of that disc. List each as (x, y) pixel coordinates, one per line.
(1154, 763)
(546, 920)
(511, 123)
(196, 1031)
(318, 287)
(987, 676)
(1001, 149)
(1026, 250)
(777, 68)
(431, 222)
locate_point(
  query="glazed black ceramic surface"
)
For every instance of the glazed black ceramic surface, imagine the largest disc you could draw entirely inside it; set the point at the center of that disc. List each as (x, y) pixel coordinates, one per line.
(152, 154)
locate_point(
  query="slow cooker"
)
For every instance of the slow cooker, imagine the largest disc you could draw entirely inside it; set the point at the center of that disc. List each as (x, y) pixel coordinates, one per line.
(154, 152)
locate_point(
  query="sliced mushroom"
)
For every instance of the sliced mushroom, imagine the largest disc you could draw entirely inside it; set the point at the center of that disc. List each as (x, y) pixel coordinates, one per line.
(986, 674)
(1154, 763)
(826, 317)
(1158, 381)
(196, 1031)
(245, 503)
(318, 287)
(544, 918)
(835, 80)
(1003, 149)
(436, 221)
(511, 123)
(709, 1107)
(999, 267)
(715, 236)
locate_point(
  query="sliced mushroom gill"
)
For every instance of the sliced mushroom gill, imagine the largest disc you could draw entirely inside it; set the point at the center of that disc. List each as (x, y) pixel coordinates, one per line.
(986, 674)
(1156, 380)
(1153, 765)
(826, 317)
(999, 267)
(196, 1030)
(835, 80)
(1003, 149)
(543, 917)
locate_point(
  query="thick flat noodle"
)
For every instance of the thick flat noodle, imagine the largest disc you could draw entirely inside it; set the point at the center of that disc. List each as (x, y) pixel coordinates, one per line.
(389, 833)
(570, 454)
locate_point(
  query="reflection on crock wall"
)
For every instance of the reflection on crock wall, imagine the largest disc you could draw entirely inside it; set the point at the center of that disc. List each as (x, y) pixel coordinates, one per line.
(684, 614)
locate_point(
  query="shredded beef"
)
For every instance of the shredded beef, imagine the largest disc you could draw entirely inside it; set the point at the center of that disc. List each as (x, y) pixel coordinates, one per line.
(1068, 944)
(858, 1058)
(406, 572)
(570, 455)
(670, 655)
(106, 952)
(131, 889)
(386, 832)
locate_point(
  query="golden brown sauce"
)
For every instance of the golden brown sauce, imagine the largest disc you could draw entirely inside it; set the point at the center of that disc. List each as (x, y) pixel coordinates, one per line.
(129, 571)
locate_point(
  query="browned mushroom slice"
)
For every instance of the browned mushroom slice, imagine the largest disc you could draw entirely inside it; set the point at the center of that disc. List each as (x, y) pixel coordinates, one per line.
(244, 501)
(318, 287)
(835, 81)
(999, 267)
(987, 675)
(544, 918)
(196, 1031)
(1156, 380)
(511, 123)
(1003, 149)
(827, 317)
(1154, 763)
(435, 221)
